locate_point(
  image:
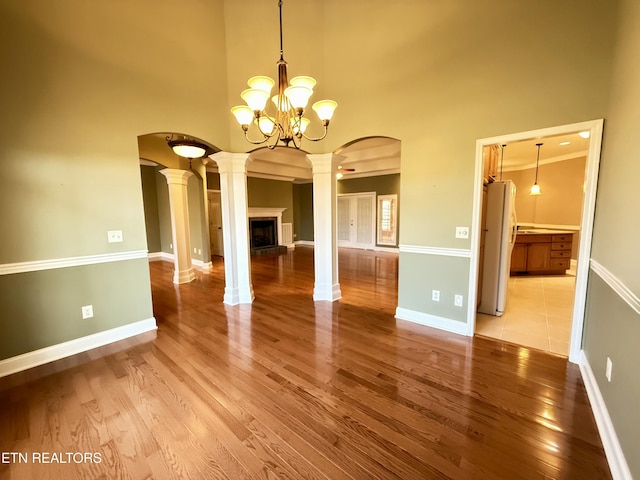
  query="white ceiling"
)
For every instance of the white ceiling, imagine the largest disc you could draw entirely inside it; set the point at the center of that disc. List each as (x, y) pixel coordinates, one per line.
(522, 154)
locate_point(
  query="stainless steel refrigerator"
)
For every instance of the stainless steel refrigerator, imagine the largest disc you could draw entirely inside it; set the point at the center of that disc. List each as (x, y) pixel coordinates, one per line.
(500, 235)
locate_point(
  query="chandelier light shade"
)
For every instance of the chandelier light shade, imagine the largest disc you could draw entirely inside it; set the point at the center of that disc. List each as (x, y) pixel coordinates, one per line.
(283, 121)
(535, 188)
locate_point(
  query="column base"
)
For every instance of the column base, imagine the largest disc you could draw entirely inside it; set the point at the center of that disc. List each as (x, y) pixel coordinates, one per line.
(185, 276)
(237, 296)
(329, 293)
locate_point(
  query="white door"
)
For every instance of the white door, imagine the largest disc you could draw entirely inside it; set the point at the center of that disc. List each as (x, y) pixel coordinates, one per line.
(356, 220)
(215, 223)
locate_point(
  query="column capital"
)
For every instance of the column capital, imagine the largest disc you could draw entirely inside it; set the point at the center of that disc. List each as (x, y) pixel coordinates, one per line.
(231, 162)
(324, 162)
(176, 176)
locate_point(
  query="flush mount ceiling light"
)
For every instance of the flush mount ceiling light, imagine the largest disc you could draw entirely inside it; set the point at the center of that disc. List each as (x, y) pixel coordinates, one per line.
(286, 124)
(535, 188)
(187, 148)
(585, 134)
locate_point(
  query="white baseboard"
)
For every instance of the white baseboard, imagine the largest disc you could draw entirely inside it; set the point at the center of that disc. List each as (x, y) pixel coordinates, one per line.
(169, 257)
(434, 321)
(304, 242)
(613, 451)
(28, 360)
(329, 293)
(160, 256)
(387, 249)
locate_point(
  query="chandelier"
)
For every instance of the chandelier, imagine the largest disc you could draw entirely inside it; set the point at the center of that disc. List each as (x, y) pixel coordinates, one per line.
(286, 124)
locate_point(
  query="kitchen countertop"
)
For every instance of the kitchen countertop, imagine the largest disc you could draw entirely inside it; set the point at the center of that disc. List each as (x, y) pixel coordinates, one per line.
(543, 231)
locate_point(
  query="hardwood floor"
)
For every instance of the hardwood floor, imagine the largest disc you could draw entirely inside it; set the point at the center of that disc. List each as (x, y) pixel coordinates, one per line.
(286, 388)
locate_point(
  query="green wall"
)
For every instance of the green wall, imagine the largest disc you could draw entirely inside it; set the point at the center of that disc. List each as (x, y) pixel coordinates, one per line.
(262, 192)
(164, 212)
(150, 201)
(303, 211)
(381, 184)
(213, 181)
(43, 308)
(612, 330)
(196, 216)
(612, 327)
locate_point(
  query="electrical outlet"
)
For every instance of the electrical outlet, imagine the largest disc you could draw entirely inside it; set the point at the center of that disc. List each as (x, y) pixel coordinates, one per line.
(609, 368)
(87, 312)
(171, 246)
(435, 295)
(462, 232)
(199, 251)
(457, 300)
(114, 236)
(195, 250)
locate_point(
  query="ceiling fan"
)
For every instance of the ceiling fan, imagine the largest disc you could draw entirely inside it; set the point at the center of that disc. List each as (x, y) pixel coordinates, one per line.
(342, 171)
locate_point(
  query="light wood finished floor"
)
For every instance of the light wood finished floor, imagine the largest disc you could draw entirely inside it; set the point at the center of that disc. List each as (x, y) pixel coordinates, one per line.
(289, 389)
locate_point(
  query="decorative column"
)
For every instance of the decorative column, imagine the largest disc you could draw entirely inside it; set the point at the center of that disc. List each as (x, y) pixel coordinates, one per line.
(235, 227)
(325, 253)
(179, 205)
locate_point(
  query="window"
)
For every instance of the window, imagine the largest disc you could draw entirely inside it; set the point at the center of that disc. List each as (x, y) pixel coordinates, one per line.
(387, 214)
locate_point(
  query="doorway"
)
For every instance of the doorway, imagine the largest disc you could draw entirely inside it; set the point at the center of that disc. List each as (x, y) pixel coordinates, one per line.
(587, 208)
(215, 222)
(357, 220)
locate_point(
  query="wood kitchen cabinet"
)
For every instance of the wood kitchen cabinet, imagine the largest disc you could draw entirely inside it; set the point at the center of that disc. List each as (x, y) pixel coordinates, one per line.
(490, 155)
(542, 253)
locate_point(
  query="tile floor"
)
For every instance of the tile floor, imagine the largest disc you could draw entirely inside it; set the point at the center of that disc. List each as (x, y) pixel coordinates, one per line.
(537, 314)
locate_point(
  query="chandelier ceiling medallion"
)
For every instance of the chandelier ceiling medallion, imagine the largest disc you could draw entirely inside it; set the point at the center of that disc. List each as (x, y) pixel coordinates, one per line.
(287, 124)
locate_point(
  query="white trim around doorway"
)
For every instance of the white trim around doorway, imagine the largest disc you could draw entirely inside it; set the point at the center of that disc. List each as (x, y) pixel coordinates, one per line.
(595, 128)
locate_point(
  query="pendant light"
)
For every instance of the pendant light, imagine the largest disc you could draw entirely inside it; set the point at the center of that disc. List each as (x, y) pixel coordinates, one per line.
(535, 188)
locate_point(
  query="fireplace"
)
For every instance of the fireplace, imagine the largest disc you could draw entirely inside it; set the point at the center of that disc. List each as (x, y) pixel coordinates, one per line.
(262, 232)
(265, 230)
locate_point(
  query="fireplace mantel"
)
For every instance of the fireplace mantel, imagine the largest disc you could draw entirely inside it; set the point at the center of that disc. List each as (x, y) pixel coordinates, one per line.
(258, 212)
(254, 212)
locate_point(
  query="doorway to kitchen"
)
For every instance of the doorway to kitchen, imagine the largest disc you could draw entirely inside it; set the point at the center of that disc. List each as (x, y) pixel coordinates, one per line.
(554, 287)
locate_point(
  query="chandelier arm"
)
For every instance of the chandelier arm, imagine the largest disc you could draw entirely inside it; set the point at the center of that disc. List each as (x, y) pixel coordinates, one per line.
(311, 139)
(296, 144)
(255, 142)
